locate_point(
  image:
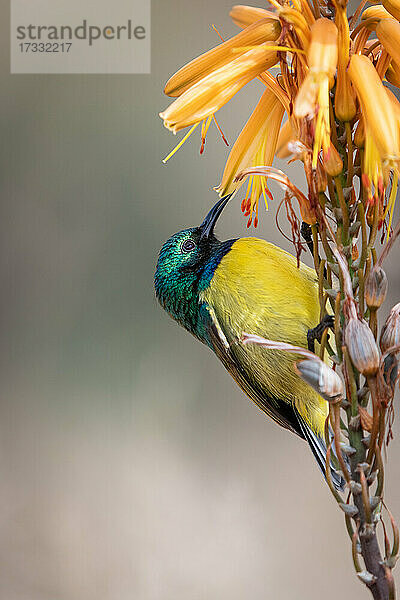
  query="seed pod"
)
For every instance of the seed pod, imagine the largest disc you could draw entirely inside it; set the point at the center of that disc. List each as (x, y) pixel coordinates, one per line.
(376, 286)
(362, 347)
(390, 335)
(324, 380)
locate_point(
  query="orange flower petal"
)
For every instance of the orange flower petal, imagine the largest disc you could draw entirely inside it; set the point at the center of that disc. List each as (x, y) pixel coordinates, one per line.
(266, 30)
(209, 94)
(259, 134)
(243, 16)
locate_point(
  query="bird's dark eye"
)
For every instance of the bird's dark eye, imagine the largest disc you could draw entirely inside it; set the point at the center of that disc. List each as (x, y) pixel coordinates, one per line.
(188, 245)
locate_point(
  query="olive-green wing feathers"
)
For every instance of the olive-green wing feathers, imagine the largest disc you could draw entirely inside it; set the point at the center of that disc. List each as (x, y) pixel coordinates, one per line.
(281, 412)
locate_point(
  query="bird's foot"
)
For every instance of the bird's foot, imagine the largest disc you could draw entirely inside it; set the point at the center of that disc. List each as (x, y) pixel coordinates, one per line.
(317, 332)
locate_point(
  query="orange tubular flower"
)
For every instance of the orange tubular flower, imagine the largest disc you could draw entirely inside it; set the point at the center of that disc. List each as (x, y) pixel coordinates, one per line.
(373, 15)
(212, 92)
(345, 102)
(388, 32)
(395, 105)
(382, 144)
(243, 16)
(313, 96)
(266, 30)
(377, 108)
(255, 145)
(392, 6)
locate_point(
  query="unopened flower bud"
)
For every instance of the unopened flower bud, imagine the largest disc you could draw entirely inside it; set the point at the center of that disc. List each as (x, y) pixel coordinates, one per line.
(345, 99)
(324, 380)
(390, 335)
(362, 347)
(376, 286)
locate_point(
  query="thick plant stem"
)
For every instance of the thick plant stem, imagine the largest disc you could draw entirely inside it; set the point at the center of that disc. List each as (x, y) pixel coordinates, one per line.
(370, 550)
(365, 444)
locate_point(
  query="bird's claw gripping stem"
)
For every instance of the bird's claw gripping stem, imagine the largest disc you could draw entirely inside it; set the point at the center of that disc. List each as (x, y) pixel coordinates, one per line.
(317, 332)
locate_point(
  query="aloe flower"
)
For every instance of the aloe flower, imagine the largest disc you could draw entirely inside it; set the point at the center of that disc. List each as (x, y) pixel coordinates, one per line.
(316, 56)
(325, 102)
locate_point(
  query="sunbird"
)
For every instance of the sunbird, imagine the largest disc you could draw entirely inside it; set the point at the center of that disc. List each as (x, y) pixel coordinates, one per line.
(218, 290)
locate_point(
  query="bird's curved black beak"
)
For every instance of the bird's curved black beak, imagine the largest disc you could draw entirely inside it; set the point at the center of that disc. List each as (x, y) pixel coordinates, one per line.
(207, 226)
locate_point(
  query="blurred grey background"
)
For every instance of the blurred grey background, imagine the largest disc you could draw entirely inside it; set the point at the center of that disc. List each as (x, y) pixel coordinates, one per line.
(131, 466)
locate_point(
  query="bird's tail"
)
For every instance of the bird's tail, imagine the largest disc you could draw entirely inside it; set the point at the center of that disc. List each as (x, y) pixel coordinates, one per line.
(318, 448)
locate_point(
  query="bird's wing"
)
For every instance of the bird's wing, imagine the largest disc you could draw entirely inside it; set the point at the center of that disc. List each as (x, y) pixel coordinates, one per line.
(281, 412)
(257, 288)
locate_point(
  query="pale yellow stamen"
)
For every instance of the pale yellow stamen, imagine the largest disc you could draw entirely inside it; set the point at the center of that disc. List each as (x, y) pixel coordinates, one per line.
(183, 140)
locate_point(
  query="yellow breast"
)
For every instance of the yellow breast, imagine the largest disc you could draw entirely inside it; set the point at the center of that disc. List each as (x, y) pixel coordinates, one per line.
(257, 288)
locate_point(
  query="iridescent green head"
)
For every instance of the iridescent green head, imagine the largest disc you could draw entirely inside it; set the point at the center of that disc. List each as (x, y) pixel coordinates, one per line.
(185, 266)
